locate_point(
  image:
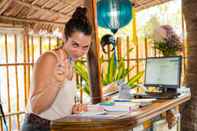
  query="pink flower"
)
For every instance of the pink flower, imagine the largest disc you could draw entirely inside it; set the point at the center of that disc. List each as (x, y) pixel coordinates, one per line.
(166, 40)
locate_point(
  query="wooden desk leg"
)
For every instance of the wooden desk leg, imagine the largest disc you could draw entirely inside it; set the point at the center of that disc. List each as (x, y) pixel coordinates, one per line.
(179, 119)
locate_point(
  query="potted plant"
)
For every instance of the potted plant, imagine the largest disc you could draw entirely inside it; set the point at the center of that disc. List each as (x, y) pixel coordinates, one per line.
(167, 41)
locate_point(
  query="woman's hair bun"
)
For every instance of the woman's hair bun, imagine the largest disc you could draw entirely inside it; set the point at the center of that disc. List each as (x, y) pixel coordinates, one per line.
(78, 22)
(80, 13)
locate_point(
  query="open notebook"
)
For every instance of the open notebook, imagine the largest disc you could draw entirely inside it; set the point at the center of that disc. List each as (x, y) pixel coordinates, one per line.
(105, 111)
(104, 114)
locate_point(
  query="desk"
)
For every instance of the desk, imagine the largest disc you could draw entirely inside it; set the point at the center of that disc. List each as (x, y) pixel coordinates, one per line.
(119, 124)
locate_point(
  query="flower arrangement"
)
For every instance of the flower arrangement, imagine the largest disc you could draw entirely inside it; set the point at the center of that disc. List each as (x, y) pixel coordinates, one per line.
(167, 41)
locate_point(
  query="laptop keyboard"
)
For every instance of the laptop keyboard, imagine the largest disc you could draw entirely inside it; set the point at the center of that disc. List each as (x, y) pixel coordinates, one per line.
(158, 95)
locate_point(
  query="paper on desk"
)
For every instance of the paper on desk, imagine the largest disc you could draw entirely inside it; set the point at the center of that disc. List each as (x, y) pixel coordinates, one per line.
(92, 113)
(104, 114)
(143, 100)
(126, 103)
(118, 108)
(116, 114)
(97, 111)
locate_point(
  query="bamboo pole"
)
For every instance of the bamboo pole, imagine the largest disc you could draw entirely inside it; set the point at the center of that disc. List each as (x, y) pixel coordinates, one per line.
(81, 90)
(1, 125)
(8, 83)
(137, 57)
(57, 42)
(28, 66)
(108, 52)
(49, 43)
(185, 47)
(16, 77)
(135, 39)
(80, 86)
(14, 113)
(119, 48)
(24, 67)
(32, 48)
(155, 52)
(15, 64)
(40, 42)
(93, 55)
(146, 47)
(128, 56)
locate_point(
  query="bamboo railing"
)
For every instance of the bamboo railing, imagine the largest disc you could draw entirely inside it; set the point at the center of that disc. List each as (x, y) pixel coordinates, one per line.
(25, 48)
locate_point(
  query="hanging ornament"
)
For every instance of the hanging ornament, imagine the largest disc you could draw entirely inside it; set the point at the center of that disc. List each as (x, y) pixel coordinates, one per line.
(114, 14)
(109, 40)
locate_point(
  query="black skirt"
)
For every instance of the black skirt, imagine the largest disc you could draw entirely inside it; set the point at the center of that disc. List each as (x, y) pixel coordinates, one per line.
(33, 122)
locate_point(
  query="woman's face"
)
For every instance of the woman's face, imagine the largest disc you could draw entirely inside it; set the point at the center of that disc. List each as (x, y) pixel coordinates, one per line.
(77, 45)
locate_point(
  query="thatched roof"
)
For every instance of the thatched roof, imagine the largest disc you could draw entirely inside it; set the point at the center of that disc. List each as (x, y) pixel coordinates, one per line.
(47, 14)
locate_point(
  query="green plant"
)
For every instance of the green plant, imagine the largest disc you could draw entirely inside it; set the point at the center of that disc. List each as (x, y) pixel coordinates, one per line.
(81, 70)
(163, 47)
(167, 41)
(113, 73)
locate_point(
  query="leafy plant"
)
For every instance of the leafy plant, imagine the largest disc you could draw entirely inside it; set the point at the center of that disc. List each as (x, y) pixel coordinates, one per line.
(81, 70)
(167, 41)
(113, 73)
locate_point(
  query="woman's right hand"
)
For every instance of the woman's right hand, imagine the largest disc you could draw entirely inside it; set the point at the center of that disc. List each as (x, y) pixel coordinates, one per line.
(77, 108)
(63, 69)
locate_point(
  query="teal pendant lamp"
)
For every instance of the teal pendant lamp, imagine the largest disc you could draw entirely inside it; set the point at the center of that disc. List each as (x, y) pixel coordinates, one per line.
(114, 14)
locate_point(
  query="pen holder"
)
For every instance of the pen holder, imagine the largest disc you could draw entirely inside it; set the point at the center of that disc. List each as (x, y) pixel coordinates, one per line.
(124, 91)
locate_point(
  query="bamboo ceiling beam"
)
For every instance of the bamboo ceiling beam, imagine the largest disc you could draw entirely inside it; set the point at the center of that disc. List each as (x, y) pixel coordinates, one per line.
(14, 11)
(79, 2)
(31, 21)
(62, 1)
(45, 4)
(66, 2)
(4, 5)
(30, 14)
(62, 9)
(39, 8)
(144, 2)
(149, 3)
(34, 2)
(67, 9)
(55, 6)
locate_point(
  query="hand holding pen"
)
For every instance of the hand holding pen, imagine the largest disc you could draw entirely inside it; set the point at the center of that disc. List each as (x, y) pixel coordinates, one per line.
(78, 107)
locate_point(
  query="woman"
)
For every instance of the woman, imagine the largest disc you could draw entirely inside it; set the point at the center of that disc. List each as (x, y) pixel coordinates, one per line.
(53, 90)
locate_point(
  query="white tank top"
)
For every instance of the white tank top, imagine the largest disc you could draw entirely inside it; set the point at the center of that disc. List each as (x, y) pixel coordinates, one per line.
(63, 103)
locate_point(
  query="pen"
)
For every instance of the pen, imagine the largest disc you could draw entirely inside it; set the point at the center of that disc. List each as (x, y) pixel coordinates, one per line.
(76, 99)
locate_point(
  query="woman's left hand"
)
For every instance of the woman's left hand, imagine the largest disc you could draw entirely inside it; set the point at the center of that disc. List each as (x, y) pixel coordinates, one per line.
(77, 108)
